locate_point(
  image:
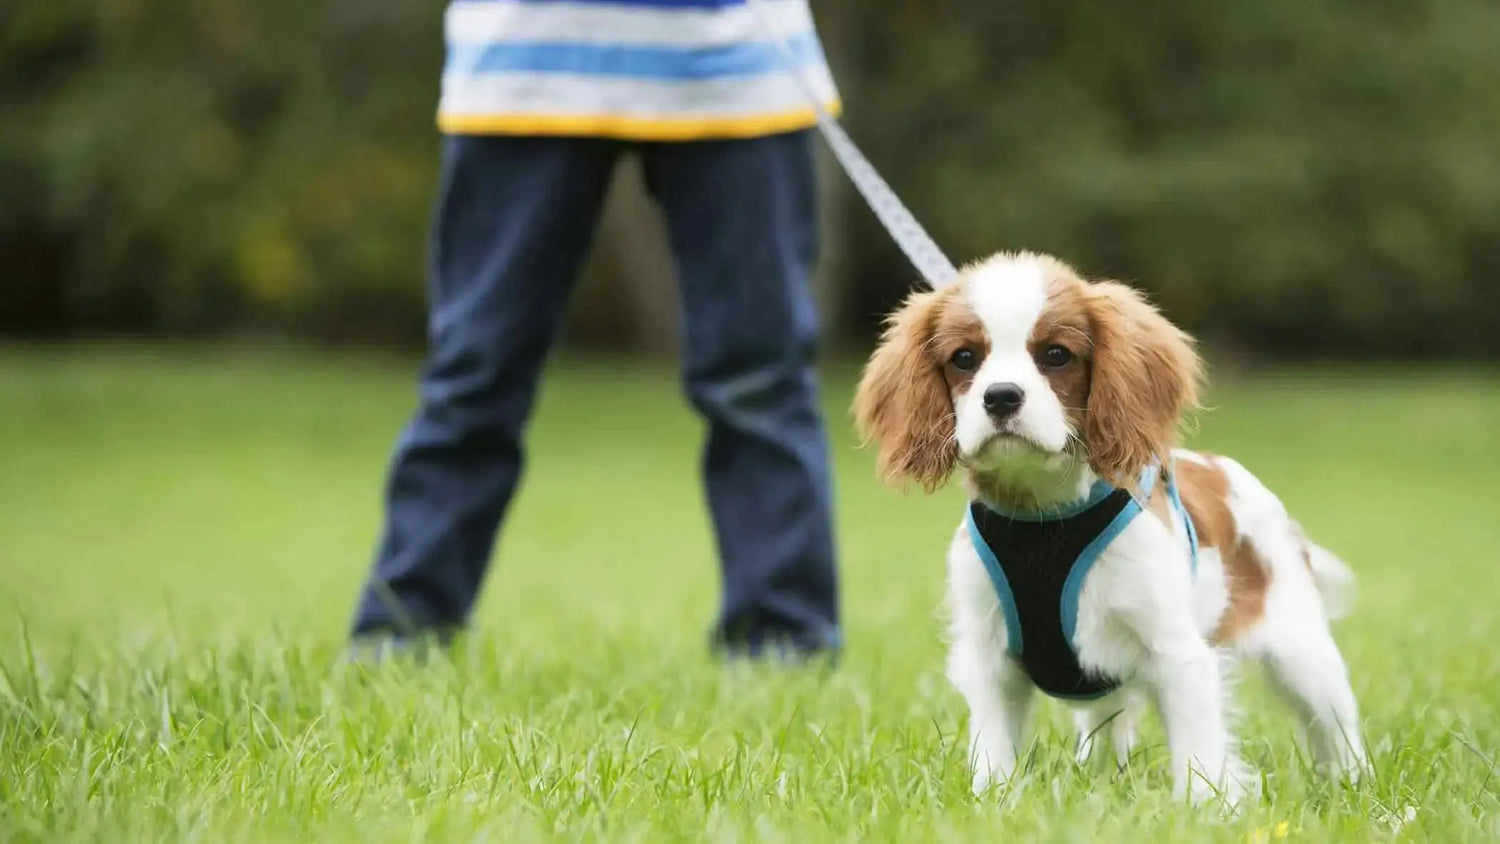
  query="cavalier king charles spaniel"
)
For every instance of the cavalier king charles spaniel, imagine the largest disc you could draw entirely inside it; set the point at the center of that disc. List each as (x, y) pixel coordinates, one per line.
(1096, 562)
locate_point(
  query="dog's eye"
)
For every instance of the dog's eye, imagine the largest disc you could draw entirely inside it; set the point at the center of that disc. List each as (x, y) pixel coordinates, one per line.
(964, 360)
(1056, 357)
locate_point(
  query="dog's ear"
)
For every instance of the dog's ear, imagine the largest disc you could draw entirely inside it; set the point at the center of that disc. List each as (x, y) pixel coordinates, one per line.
(903, 406)
(1145, 377)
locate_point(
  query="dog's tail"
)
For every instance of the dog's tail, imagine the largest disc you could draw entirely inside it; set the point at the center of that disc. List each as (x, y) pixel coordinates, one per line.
(1333, 578)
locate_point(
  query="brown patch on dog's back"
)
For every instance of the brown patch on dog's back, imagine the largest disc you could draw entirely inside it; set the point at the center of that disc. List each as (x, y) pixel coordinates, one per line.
(1247, 578)
(1205, 494)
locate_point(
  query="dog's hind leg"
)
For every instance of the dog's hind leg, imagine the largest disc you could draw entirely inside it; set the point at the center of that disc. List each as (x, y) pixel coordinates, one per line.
(1306, 666)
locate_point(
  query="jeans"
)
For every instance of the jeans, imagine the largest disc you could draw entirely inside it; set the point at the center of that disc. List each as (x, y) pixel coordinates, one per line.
(513, 221)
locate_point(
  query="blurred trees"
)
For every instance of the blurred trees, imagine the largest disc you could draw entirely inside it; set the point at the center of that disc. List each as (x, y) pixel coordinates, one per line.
(1291, 175)
(1296, 176)
(190, 165)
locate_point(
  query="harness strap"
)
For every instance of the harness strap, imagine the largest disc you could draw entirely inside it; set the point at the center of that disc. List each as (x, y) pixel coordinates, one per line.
(1174, 502)
(1001, 584)
(1073, 585)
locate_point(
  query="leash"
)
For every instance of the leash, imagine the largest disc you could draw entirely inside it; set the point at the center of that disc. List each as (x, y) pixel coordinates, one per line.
(903, 228)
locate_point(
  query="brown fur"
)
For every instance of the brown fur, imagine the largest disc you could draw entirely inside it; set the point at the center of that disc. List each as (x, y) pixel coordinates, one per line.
(1205, 494)
(956, 327)
(1067, 321)
(1158, 504)
(903, 405)
(1133, 376)
(1145, 377)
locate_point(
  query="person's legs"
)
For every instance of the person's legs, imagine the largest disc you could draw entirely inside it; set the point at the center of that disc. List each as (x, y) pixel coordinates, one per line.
(512, 225)
(742, 215)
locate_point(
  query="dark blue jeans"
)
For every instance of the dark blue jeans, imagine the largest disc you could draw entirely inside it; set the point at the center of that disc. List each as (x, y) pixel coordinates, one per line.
(512, 225)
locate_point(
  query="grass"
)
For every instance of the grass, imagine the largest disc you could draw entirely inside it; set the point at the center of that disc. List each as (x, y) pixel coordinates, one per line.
(182, 533)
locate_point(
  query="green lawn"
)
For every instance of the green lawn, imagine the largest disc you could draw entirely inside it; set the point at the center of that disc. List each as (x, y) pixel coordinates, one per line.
(182, 532)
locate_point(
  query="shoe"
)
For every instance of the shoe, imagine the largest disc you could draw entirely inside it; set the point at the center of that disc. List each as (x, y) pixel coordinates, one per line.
(778, 648)
(380, 647)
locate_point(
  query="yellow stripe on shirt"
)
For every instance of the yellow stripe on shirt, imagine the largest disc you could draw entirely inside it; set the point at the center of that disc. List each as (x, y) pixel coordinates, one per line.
(632, 128)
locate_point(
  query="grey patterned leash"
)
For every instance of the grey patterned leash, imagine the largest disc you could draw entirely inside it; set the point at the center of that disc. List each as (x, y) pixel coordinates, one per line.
(919, 247)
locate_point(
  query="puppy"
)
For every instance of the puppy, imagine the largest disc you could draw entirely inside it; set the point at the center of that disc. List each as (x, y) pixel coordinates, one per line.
(1096, 562)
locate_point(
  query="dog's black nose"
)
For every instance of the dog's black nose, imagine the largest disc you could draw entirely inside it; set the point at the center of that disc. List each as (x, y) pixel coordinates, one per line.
(1003, 400)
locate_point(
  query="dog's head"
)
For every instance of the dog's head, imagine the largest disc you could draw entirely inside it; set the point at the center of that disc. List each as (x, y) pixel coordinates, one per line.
(1022, 368)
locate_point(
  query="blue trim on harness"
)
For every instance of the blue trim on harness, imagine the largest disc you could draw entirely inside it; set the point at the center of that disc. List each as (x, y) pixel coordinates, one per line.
(1073, 585)
(1174, 498)
(1080, 570)
(1002, 586)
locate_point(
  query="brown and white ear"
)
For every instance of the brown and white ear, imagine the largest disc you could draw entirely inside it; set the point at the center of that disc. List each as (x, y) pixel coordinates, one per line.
(902, 405)
(1145, 377)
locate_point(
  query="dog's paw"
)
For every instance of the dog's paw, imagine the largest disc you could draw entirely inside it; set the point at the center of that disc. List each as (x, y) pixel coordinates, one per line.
(1084, 750)
(1236, 786)
(996, 785)
(1349, 768)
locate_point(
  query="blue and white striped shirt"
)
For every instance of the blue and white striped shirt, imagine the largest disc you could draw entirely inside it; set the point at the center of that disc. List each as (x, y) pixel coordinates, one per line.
(634, 69)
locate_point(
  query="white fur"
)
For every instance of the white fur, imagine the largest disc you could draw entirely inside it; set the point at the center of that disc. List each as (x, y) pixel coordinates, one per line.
(1143, 617)
(1293, 638)
(1135, 621)
(1008, 294)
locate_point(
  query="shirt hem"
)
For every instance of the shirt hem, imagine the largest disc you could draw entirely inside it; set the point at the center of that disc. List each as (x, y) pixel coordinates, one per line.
(627, 127)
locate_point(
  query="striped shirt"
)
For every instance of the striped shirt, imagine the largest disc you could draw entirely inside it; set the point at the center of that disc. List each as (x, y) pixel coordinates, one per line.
(634, 69)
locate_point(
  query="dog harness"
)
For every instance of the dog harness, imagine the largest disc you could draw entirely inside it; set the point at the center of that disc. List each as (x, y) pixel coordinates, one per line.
(1037, 562)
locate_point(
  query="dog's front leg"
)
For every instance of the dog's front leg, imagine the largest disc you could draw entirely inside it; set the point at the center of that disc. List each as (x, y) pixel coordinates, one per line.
(995, 687)
(999, 697)
(1184, 678)
(1144, 587)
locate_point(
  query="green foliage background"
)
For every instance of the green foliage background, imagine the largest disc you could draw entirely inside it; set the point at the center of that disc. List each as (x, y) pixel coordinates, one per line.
(195, 165)
(1288, 176)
